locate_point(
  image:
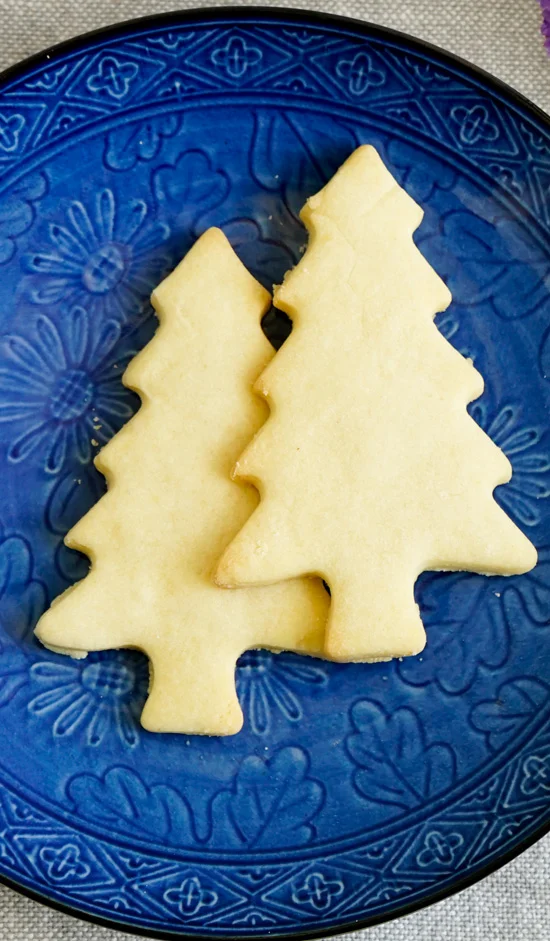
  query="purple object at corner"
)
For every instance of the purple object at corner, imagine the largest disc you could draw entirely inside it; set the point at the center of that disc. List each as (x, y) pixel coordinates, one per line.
(545, 27)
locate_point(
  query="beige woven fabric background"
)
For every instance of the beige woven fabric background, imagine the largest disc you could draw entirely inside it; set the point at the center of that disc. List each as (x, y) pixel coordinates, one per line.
(502, 36)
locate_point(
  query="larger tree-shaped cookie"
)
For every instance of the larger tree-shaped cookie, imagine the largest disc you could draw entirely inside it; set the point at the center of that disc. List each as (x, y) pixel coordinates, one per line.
(171, 507)
(370, 468)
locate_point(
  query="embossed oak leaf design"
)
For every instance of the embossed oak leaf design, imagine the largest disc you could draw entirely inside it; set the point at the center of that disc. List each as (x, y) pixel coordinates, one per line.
(270, 802)
(454, 603)
(396, 765)
(517, 701)
(494, 262)
(120, 797)
(451, 604)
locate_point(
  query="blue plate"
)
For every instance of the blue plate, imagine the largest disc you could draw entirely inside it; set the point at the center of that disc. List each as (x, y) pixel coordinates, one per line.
(354, 793)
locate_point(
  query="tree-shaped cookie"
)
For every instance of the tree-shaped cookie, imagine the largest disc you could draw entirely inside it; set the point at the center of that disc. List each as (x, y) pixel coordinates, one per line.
(171, 507)
(370, 468)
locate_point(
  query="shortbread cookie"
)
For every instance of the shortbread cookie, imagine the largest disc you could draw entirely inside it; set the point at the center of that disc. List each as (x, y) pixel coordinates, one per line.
(370, 468)
(171, 508)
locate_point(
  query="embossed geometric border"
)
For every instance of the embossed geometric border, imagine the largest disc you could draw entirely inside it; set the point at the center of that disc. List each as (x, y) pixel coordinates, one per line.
(246, 14)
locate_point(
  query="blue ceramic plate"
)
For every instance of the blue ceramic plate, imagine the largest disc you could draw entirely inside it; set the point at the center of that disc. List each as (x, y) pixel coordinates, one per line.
(354, 793)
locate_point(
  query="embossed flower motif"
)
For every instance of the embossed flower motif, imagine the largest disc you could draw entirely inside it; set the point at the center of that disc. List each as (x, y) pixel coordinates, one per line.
(303, 37)
(10, 131)
(475, 124)
(100, 695)
(359, 73)
(236, 57)
(536, 774)
(439, 848)
(107, 257)
(65, 863)
(63, 390)
(266, 683)
(529, 484)
(318, 891)
(190, 896)
(113, 77)
(269, 803)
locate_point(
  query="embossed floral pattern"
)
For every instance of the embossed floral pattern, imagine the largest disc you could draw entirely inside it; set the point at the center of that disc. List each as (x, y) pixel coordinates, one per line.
(475, 124)
(68, 501)
(359, 74)
(107, 256)
(421, 178)
(98, 696)
(439, 848)
(64, 863)
(11, 127)
(190, 896)
(318, 891)
(525, 495)
(173, 42)
(425, 71)
(532, 592)
(61, 391)
(236, 57)
(113, 77)
(536, 775)
(448, 616)
(48, 80)
(23, 596)
(269, 683)
(488, 227)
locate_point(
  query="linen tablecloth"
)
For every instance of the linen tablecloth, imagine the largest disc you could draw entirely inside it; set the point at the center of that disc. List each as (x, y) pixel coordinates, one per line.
(502, 36)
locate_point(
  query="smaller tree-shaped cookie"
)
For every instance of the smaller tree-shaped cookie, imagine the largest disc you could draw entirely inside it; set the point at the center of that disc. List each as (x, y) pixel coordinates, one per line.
(155, 537)
(370, 468)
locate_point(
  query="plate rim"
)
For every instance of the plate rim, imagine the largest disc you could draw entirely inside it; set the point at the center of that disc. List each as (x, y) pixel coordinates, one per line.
(513, 97)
